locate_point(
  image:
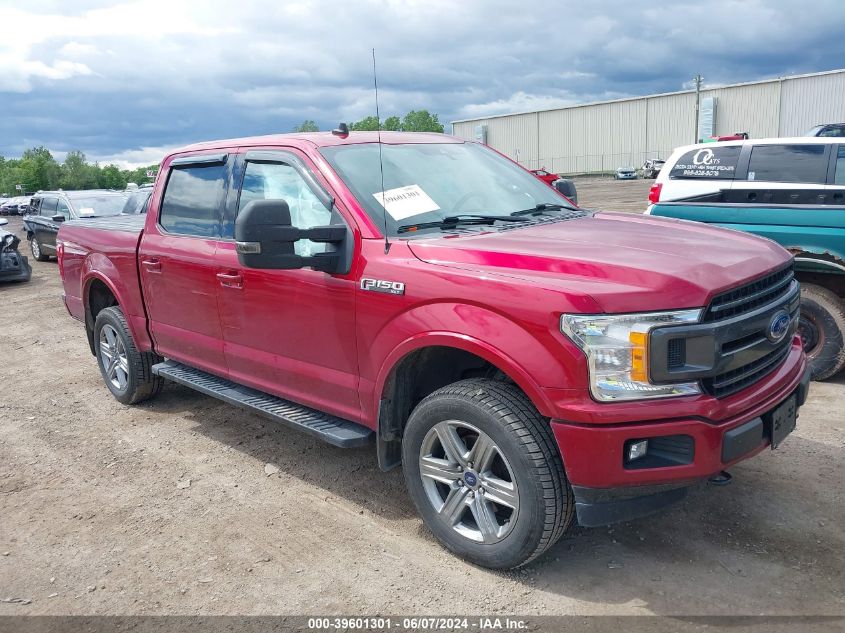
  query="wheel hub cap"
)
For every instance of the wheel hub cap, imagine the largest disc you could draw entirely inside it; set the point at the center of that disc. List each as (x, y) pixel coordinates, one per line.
(468, 481)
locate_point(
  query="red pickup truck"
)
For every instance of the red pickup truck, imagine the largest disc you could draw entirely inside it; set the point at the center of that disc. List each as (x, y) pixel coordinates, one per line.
(524, 360)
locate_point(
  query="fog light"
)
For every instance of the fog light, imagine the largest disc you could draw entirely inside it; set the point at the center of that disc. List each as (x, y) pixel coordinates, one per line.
(636, 449)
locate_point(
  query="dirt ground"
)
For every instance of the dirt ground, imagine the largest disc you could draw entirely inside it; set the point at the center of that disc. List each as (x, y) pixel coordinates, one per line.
(165, 508)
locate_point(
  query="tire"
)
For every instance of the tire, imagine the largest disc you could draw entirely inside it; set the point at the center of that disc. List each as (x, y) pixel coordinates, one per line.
(524, 469)
(131, 380)
(822, 329)
(37, 251)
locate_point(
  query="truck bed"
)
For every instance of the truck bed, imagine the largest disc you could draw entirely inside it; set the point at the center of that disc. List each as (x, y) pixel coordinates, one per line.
(106, 248)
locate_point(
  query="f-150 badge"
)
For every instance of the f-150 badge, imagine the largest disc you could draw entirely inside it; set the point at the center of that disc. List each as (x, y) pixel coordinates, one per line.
(384, 286)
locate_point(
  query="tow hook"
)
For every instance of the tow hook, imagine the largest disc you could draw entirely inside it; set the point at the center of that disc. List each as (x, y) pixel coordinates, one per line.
(722, 479)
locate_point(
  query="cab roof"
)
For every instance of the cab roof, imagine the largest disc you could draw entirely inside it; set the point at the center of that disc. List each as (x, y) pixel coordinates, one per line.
(322, 139)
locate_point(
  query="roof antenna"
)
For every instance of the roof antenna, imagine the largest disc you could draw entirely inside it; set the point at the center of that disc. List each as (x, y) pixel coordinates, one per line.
(380, 161)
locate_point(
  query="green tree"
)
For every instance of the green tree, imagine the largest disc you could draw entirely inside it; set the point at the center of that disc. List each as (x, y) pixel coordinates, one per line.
(76, 173)
(421, 121)
(306, 126)
(112, 178)
(40, 170)
(367, 124)
(392, 124)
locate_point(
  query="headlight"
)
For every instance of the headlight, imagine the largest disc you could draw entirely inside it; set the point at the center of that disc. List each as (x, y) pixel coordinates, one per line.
(616, 346)
(8, 240)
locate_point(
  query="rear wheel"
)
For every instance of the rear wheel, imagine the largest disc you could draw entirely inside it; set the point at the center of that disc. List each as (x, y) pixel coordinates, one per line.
(126, 371)
(485, 473)
(35, 247)
(822, 330)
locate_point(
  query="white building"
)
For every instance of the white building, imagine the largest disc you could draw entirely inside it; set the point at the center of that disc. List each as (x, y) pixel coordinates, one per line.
(599, 137)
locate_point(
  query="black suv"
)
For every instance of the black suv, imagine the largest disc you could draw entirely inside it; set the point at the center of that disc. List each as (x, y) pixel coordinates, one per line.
(48, 209)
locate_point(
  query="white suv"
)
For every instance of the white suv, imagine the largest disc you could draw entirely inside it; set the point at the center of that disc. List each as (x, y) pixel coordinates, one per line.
(799, 170)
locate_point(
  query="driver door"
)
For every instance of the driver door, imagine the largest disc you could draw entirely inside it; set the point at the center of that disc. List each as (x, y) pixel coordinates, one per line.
(288, 332)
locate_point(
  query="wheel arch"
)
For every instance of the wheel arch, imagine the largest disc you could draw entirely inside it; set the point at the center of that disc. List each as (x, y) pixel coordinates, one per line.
(98, 292)
(423, 364)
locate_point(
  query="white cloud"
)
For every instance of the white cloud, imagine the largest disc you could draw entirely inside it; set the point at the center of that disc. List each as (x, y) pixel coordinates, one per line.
(106, 77)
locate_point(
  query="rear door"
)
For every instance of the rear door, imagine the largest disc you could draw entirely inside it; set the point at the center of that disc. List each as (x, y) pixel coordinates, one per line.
(46, 227)
(176, 261)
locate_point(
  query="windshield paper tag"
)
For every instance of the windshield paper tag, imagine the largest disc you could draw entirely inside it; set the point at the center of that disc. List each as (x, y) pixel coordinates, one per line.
(404, 202)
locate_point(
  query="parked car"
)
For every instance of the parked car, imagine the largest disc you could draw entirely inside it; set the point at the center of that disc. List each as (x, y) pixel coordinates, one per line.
(48, 209)
(652, 167)
(625, 173)
(13, 265)
(15, 206)
(790, 190)
(827, 130)
(546, 176)
(524, 360)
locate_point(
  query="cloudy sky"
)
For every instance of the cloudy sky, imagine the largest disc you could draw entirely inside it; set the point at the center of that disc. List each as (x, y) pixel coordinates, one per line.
(125, 80)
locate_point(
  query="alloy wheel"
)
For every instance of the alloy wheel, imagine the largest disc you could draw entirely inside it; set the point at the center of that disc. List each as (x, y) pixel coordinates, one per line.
(113, 357)
(468, 481)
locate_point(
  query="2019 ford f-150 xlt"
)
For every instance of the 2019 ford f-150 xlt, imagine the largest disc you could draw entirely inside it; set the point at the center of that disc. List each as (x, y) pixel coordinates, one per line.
(524, 360)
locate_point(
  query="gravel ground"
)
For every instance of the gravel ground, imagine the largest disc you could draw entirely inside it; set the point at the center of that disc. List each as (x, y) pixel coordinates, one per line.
(167, 507)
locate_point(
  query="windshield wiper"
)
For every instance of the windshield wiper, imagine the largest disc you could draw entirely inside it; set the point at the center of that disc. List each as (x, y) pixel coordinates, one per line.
(542, 208)
(452, 221)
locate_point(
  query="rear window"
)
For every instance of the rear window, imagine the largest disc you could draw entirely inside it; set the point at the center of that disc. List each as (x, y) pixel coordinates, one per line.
(713, 163)
(788, 163)
(192, 199)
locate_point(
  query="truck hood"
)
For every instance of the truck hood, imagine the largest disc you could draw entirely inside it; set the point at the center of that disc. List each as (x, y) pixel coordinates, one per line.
(625, 262)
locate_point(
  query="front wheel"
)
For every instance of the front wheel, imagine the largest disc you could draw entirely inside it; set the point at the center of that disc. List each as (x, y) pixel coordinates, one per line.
(35, 247)
(126, 371)
(822, 330)
(484, 471)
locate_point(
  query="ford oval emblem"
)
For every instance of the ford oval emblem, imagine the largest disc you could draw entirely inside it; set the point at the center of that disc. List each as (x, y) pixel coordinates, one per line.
(778, 326)
(470, 478)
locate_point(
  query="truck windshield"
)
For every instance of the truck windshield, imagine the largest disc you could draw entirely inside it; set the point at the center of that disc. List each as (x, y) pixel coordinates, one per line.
(94, 205)
(427, 182)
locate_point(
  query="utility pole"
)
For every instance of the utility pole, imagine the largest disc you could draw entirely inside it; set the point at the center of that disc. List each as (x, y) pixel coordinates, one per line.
(697, 79)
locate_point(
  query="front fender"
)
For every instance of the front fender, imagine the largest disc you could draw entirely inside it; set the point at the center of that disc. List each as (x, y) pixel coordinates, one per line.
(533, 359)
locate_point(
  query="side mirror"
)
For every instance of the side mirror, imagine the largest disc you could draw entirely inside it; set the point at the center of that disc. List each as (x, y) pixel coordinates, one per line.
(265, 239)
(567, 188)
(58, 218)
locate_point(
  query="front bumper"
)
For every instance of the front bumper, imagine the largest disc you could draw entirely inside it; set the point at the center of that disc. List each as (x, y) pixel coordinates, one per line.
(607, 491)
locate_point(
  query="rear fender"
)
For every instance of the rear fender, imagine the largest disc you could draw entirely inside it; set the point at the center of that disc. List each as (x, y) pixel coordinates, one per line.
(99, 267)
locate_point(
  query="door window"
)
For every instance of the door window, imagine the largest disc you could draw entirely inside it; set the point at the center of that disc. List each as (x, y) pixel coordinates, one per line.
(48, 207)
(839, 174)
(278, 181)
(63, 209)
(788, 163)
(192, 199)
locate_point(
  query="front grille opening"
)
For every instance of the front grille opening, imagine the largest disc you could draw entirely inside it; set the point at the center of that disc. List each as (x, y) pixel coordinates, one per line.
(742, 343)
(751, 296)
(741, 377)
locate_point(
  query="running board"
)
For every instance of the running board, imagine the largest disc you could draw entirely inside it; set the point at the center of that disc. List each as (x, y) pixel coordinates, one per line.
(328, 428)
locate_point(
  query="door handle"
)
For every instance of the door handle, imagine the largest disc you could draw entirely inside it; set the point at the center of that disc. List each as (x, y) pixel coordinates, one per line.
(231, 280)
(152, 265)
